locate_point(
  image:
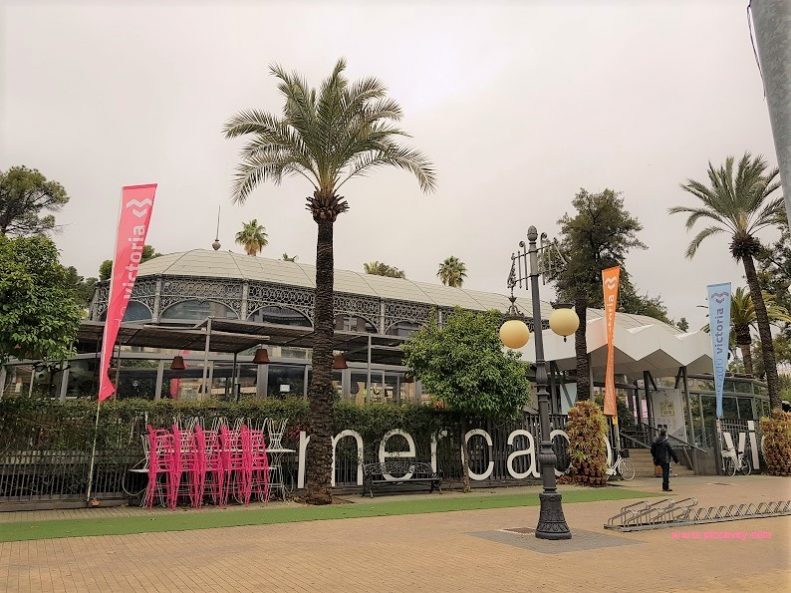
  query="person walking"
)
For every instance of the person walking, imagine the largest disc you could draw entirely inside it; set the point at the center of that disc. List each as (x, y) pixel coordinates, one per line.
(662, 453)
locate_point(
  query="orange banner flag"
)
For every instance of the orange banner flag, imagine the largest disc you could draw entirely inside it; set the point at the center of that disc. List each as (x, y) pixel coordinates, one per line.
(610, 281)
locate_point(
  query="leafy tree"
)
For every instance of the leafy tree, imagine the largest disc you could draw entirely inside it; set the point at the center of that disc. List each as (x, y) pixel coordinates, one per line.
(463, 364)
(377, 268)
(740, 203)
(452, 272)
(630, 301)
(598, 236)
(782, 348)
(327, 136)
(106, 267)
(683, 324)
(252, 237)
(24, 194)
(743, 319)
(39, 314)
(83, 287)
(774, 270)
(286, 257)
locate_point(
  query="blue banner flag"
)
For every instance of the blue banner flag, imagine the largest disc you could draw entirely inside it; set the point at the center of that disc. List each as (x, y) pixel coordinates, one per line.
(720, 327)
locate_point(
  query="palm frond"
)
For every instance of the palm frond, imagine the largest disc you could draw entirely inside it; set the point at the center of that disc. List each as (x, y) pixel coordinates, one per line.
(700, 237)
(265, 167)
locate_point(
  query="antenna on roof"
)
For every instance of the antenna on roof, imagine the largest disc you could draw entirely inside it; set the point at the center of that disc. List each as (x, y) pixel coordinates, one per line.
(216, 244)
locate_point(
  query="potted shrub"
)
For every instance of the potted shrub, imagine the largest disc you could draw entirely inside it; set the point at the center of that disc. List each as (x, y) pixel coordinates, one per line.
(587, 430)
(777, 443)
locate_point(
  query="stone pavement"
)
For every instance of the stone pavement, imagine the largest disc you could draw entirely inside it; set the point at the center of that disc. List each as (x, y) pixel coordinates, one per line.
(431, 552)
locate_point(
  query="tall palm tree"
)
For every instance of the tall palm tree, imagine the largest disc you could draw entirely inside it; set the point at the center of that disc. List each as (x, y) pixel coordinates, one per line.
(743, 320)
(378, 268)
(740, 203)
(252, 237)
(452, 272)
(327, 136)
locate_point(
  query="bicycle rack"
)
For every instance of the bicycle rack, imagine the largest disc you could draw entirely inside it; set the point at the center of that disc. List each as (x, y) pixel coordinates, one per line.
(675, 513)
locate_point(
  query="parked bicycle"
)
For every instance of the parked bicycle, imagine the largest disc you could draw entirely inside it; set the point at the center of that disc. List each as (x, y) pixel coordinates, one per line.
(738, 462)
(623, 466)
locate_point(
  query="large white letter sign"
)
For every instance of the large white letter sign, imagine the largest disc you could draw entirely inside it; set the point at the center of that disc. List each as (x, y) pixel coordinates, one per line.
(753, 444)
(488, 439)
(303, 447)
(357, 437)
(531, 451)
(384, 453)
(435, 437)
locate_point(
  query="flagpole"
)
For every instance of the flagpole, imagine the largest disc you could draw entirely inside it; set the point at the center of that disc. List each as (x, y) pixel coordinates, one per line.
(93, 452)
(101, 361)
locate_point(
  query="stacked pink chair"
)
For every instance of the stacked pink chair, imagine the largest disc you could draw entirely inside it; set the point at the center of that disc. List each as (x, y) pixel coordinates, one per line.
(260, 461)
(237, 461)
(187, 460)
(214, 459)
(199, 465)
(159, 446)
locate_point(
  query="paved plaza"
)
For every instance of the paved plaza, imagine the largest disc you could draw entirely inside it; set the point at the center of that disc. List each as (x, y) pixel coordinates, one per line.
(454, 552)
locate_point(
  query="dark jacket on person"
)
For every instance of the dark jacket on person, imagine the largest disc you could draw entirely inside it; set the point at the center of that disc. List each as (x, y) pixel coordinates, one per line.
(662, 452)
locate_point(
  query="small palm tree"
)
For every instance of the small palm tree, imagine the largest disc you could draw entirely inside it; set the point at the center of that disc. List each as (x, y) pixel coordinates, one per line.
(452, 272)
(740, 203)
(252, 237)
(743, 320)
(326, 136)
(287, 257)
(378, 268)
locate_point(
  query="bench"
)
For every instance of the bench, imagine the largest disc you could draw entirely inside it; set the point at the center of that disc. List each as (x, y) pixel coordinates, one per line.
(401, 471)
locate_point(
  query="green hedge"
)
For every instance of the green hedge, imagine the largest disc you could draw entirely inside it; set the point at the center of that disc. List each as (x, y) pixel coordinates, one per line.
(55, 425)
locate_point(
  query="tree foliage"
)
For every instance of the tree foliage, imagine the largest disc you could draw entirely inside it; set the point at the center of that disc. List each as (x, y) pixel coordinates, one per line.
(378, 268)
(106, 267)
(24, 195)
(464, 365)
(287, 257)
(597, 236)
(39, 313)
(683, 324)
(774, 270)
(452, 272)
(83, 287)
(252, 237)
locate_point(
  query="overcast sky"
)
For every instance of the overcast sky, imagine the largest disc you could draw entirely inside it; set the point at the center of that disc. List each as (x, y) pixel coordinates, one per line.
(519, 104)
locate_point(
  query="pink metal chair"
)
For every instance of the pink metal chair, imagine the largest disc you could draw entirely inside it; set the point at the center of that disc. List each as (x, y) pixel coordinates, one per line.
(199, 468)
(159, 445)
(214, 460)
(236, 449)
(174, 468)
(260, 462)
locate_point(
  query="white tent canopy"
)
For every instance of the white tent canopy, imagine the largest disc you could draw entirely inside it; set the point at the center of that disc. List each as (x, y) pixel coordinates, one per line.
(641, 344)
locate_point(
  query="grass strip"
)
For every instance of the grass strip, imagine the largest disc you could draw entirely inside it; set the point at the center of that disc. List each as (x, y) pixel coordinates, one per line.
(189, 520)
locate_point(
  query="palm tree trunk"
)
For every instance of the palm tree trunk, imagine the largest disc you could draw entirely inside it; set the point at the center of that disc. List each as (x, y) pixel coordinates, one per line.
(744, 341)
(319, 453)
(581, 350)
(762, 320)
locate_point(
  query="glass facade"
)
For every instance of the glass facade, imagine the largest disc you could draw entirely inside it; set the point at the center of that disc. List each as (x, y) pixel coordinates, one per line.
(280, 316)
(353, 323)
(195, 310)
(135, 311)
(285, 380)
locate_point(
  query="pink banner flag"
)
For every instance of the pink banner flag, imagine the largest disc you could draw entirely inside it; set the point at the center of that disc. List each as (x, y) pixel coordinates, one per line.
(137, 202)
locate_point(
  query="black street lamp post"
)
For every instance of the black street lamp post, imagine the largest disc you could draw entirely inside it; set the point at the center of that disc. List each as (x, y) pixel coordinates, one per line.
(524, 267)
